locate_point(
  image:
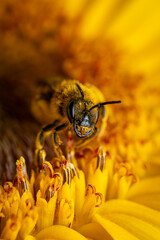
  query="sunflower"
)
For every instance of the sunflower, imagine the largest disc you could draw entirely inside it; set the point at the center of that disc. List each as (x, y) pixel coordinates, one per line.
(115, 191)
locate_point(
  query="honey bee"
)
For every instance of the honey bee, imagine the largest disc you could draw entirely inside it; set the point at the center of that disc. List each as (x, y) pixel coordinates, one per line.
(68, 104)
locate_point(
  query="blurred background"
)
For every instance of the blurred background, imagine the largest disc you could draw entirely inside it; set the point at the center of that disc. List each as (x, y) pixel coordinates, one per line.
(112, 44)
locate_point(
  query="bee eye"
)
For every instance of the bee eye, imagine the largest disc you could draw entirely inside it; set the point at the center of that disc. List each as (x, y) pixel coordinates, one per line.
(71, 109)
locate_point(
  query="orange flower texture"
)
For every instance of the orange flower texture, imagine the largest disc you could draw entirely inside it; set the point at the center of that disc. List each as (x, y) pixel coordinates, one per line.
(73, 166)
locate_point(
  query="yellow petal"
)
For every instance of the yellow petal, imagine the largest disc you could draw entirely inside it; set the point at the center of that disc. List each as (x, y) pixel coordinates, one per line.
(151, 200)
(132, 209)
(94, 20)
(50, 239)
(66, 192)
(44, 183)
(46, 211)
(88, 206)
(142, 230)
(146, 192)
(60, 233)
(30, 237)
(123, 186)
(73, 8)
(26, 202)
(100, 180)
(117, 232)
(65, 212)
(11, 228)
(80, 188)
(149, 185)
(29, 221)
(95, 231)
(32, 182)
(134, 24)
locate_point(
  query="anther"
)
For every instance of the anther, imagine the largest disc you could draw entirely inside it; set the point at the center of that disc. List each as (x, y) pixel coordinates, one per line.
(28, 203)
(8, 187)
(122, 170)
(62, 203)
(55, 184)
(22, 174)
(90, 190)
(58, 176)
(69, 175)
(47, 166)
(99, 198)
(134, 177)
(70, 208)
(101, 159)
(65, 175)
(75, 172)
(68, 171)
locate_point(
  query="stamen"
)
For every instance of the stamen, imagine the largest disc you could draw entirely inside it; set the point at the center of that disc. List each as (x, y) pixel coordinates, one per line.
(134, 178)
(69, 175)
(22, 174)
(90, 190)
(66, 212)
(70, 208)
(63, 202)
(28, 204)
(122, 170)
(75, 172)
(63, 160)
(8, 187)
(92, 194)
(101, 159)
(126, 170)
(68, 171)
(47, 166)
(65, 175)
(55, 184)
(99, 199)
(13, 222)
(58, 177)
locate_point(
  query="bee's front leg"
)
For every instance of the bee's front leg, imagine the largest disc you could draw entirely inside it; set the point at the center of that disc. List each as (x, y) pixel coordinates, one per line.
(56, 140)
(40, 152)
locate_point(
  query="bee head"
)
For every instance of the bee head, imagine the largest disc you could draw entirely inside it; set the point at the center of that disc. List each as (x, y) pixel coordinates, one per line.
(82, 118)
(84, 115)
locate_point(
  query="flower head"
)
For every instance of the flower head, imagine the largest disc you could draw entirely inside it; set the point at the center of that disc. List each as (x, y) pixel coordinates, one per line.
(109, 191)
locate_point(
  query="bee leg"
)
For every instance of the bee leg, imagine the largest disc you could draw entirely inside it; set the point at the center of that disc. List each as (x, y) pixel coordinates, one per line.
(40, 153)
(56, 140)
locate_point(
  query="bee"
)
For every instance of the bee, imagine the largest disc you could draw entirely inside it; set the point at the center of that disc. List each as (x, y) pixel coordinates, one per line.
(70, 105)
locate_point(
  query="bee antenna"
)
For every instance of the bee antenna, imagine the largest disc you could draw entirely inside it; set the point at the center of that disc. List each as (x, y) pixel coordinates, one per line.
(104, 103)
(80, 90)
